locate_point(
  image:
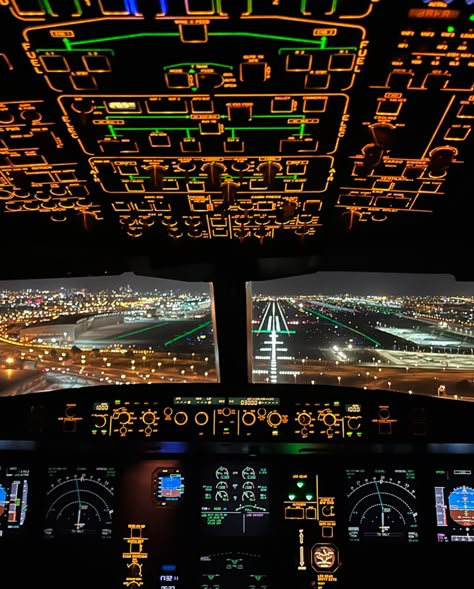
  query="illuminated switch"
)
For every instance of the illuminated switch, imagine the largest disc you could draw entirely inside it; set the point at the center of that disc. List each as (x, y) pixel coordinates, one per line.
(178, 80)
(253, 72)
(282, 104)
(389, 107)
(210, 128)
(240, 114)
(207, 82)
(294, 513)
(315, 104)
(29, 7)
(199, 6)
(295, 168)
(127, 169)
(63, 8)
(159, 140)
(54, 63)
(190, 145)
(295, 145)
(317, 81)
(466, 111)
(97, 63)
(435, 81)
(298, 63)
(457, 132)
(294, 185)
(233, 145)
(460, 81)
(83, 82)
(341, 62)
(114, 7)
(399, 80)
(414, 172)
(193, 33)
(169, 105)
(202, 105)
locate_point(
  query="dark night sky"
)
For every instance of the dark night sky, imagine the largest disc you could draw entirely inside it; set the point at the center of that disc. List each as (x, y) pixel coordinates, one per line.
(358, 283)
(367, 283)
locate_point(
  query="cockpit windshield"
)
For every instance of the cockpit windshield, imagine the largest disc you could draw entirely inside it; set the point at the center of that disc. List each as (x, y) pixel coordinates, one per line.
(412, 333)
(126, 329)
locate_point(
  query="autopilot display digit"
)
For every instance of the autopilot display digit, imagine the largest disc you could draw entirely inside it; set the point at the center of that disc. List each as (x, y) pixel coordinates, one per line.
(454, 500)
(13, 498)
(235, 500)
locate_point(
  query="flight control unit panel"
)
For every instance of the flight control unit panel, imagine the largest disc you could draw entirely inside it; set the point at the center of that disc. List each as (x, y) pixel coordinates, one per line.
(192, 120)
(321, 488)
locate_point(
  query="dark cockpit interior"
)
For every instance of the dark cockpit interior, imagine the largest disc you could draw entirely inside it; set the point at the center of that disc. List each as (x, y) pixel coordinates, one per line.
(236, 293)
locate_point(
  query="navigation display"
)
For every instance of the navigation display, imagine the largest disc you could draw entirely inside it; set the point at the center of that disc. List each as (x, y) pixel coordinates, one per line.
(454, 497)
(13, 498)
(80, 501)
(235, 500)
(381, 505)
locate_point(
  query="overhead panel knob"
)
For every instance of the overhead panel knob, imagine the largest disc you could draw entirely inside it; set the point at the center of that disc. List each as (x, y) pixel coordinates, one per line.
(440, 160)
(214, 171)
(269, 170)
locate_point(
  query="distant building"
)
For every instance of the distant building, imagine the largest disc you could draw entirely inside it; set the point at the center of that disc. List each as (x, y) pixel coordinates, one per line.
(67, 329)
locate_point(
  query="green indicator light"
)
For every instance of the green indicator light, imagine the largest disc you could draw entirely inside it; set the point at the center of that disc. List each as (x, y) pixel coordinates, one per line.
(117, 401)
(309, 497)
(300, 484)
(194, 89)
(94, 431)
(291, 497)
(450, 29)
(192, 71)
(471, 17)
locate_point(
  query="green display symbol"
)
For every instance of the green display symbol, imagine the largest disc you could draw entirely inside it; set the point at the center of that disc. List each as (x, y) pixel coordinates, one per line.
(300, 484)
(291, 497)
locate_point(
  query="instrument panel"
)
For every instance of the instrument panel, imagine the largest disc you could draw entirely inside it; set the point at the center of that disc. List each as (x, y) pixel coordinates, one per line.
(240, 121)
(224, 502)
(231, 520)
